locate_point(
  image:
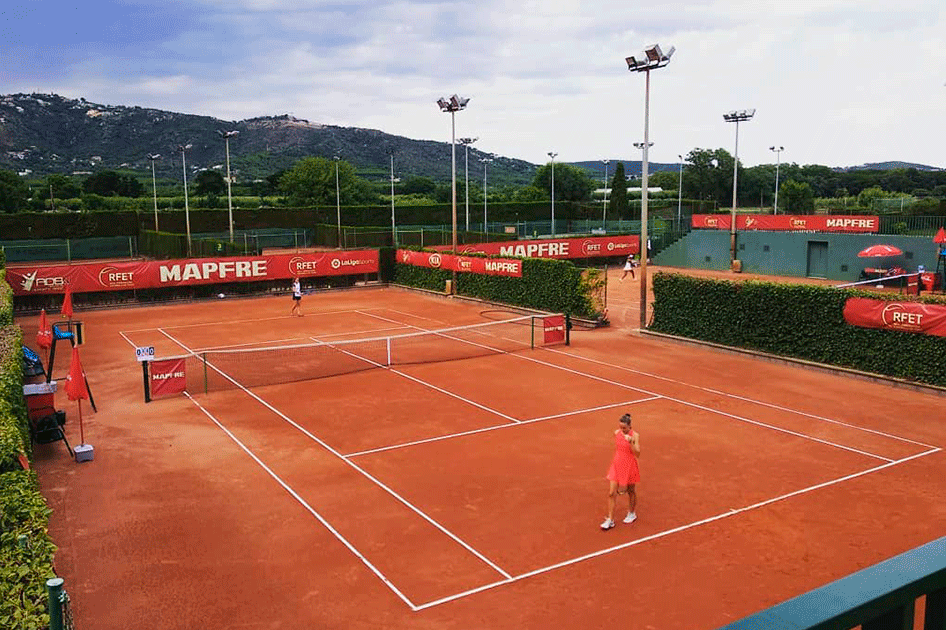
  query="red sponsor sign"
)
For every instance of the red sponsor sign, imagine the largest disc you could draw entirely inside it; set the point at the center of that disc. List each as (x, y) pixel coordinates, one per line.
(554, 327)
(588, 247)
(929, 319)
(167, 377)
(788, 222)
(463, 264)
(82, 278)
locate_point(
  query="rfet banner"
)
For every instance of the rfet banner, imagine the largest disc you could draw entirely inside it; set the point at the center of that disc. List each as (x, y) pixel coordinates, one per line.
(589, 247)
(467, 264)
(167, 377)
(913, 317)
(112, 276)
(788, 222)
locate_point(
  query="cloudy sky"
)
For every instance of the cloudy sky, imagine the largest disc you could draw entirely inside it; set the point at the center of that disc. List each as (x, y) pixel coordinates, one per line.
(836, 82)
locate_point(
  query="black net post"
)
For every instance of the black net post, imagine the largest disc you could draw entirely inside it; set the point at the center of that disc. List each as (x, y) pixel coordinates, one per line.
(144, 375)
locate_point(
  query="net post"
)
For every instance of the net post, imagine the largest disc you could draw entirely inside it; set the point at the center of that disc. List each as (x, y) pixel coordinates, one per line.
(568, 329)
(144, 375)
(204, 357)
(389, 351)
(532, 333)
(54, 597)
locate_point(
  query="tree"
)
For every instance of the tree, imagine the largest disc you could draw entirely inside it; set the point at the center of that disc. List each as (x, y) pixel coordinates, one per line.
(796, 197)
(311, 182)
(63, 187)
(617, 200)
(112, 184)
(209, 183)
(14, 193)
(571, 183)
(666, 180)
(528, 194)
(418, 186)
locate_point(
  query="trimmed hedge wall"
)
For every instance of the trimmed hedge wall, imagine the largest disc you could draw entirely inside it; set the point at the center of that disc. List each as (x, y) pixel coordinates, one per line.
(26, 552)
(556, 286)
(801, 321)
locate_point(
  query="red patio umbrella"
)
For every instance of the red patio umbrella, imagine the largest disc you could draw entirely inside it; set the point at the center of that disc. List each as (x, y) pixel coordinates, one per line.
(76, 388)
(67, 303)
(44, 336)
(940, 236)
(879, 251)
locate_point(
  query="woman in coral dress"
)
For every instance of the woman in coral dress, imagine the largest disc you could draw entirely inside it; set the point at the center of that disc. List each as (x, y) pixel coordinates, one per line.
(624, 473)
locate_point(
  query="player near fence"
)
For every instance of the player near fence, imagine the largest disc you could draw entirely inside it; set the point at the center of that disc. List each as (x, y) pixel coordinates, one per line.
(623, 475)
(296, 298)
(629, 266)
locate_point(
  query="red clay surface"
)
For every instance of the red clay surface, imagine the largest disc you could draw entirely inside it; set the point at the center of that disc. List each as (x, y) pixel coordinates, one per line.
(467, 494)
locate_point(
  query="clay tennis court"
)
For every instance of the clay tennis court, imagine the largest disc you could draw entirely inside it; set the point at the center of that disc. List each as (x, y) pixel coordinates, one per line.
(467, 493)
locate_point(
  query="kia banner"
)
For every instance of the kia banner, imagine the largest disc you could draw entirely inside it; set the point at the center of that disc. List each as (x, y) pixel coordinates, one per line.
(167, 377)
(912, 317)
(119, 276)
(788, 222)
(587, 247)
(463, 264)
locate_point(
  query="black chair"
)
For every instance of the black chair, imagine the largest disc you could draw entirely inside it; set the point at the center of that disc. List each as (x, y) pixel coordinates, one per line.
(48, 428)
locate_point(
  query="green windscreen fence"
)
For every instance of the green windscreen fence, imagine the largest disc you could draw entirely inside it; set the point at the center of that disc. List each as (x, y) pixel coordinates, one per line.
(69, 249)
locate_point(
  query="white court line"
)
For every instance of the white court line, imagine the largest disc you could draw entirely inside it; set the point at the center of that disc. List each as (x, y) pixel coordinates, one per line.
(742, 398)
(270, 342)
(492, 428)
(366, 474)
(130, 342)
(249, 321)
(682, 402)
(668, 532)
(308, 507)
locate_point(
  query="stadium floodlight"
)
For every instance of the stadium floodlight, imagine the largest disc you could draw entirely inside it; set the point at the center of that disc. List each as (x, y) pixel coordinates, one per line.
(466, 142)
(485, 161)
(680, 196)
(338, 202)
(394, 180)
(226, 135)
(187, 210)
(736, 116)
(604, 209)
(651, 59)
(778, 159)
(154, 187)
(453, 105)
(552, 155)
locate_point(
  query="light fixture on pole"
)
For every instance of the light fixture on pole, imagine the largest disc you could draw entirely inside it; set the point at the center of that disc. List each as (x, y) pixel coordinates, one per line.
(737, 117)
(453, 105)
(778, 159)
(552, 155)
(466, 142)
(187, 210)
(226, 139)
(338, 203)
(485, 161)
(651, 59)
(394, 180)
(154, 187)
(604, 210)
(680, 196)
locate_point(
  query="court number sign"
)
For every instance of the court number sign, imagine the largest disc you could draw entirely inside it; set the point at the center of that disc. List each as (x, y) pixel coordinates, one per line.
(145, 353)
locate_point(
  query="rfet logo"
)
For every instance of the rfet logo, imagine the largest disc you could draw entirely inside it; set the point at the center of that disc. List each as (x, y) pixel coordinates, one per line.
(464, 264)
(711, 222)
(299, 266)
(113, 277)
(799, 223)
(895, 316)
(435, 261)
(32, 282)
(591, 249)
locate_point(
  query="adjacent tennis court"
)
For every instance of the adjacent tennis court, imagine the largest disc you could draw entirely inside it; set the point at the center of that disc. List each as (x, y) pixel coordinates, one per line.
(455, 478)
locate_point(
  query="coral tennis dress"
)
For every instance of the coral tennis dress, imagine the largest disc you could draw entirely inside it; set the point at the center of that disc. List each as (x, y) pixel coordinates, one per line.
(623, 468)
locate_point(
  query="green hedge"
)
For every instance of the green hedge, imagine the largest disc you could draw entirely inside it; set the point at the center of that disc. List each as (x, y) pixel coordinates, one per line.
(14, 432)
(801, 321)
(556, 286)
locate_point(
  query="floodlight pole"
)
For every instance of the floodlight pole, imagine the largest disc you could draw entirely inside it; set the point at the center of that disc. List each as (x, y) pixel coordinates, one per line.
(466, 142)
(187, 211)
(393, 181)
(652, 58)
(226, 138)
(453, 105)
(736, 117)
(485, 161)
(604, 210)
(552, 155)
(680, 196)
(338, 204)
(154, 188)
(778, 156)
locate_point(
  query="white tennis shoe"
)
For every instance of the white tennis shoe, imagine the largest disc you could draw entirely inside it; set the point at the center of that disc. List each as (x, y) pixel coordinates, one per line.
(607, 524)
(631, 517)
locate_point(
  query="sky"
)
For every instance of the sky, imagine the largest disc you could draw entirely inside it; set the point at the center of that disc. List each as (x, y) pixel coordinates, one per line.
(835, 82)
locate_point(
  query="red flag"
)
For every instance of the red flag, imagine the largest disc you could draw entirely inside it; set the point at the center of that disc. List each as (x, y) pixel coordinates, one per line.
(75, 381)
(44, 336)
(940, 236)
(67, 303)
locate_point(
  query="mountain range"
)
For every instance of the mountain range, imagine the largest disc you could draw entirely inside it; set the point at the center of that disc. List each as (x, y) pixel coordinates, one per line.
(42, 134)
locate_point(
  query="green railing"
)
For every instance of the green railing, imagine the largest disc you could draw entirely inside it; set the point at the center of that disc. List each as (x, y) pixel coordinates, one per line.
(881, 597)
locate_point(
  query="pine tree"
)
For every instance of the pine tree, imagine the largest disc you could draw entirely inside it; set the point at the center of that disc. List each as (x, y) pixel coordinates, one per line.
(617, 201)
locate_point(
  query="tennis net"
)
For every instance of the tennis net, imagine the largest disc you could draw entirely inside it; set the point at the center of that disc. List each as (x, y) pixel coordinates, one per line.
(215, 370)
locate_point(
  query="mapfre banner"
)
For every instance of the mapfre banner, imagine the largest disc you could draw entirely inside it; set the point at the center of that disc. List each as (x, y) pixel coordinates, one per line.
(465, 264)
(788, 222)
(589, 247)
(167, 377)
(112, 276)
(912, 317)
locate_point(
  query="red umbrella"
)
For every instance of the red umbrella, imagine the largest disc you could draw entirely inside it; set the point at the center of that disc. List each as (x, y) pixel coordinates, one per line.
(940, 236)
(44, 336)
(878, 251)
(67, 303)
(75, 386)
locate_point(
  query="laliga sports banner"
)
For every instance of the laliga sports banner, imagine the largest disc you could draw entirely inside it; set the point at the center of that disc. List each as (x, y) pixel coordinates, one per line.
(167, 377)
(913, 317)
(787, 222)
(590, 247)
(466, 264)
(118, 276)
